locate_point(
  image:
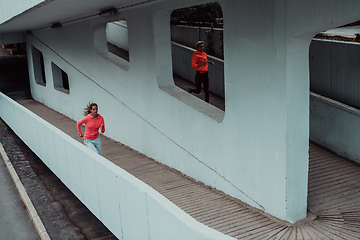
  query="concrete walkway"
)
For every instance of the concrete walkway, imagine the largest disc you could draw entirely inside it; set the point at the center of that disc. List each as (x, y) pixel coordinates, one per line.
(214, 100)
(333, 201)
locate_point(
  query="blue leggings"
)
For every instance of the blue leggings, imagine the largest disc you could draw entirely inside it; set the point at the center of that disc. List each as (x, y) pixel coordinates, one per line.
(94, 145)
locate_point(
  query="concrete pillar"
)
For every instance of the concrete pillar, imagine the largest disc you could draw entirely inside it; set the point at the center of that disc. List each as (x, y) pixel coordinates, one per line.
(267, 87)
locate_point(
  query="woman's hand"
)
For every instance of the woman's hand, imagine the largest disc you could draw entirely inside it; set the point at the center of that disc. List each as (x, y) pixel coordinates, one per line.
(205, 62)
(80, 135)
(102, 128)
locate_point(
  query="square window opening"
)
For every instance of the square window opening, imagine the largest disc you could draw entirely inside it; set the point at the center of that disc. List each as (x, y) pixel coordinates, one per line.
(117, 39)
(111, 42)
(39, 66)
(61, 79)
(188, 26)
(175, 73)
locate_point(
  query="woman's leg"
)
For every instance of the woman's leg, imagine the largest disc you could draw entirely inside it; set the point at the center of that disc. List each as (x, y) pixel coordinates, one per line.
(94, 145)
(97, 144)
(88, 143)
(205, 80)
(197, 83)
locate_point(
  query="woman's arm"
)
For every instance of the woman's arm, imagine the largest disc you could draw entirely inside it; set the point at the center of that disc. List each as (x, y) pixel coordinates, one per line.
(102, 126)
(78, 126)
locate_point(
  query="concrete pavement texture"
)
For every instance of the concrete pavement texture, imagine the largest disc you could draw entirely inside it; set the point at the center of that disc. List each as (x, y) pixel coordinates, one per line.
(15, 222)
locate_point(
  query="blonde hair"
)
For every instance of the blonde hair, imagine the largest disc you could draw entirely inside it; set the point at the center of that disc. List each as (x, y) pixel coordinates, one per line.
(88, 108)
(198, 43)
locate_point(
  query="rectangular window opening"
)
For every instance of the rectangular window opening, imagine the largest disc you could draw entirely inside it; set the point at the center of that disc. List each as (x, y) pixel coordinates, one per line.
(188, 26)
(39, 66)
(61, 79)
(117, 39)
(115, 48)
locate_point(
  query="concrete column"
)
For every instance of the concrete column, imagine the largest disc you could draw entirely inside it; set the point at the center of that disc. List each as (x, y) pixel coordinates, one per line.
(267, 87)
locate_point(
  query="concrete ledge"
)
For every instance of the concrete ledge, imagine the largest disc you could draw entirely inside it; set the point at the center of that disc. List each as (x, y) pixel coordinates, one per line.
(335, 125)
(194, 102)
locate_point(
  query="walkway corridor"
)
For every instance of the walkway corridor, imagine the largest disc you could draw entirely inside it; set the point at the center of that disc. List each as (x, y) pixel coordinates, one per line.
(333, 201)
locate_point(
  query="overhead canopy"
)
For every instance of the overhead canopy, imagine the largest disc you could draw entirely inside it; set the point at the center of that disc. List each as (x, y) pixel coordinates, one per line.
(47, 13)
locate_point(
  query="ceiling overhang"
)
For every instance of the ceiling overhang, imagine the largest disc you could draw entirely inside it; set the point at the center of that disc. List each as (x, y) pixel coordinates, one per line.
(65, 11)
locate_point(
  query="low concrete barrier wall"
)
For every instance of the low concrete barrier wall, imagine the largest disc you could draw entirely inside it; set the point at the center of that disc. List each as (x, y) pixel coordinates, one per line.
(128, 207)
(334, 70)
(189, 35)
(335, 126)
(117, 34)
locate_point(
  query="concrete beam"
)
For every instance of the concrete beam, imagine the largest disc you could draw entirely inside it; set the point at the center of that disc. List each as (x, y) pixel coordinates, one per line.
(12, 38)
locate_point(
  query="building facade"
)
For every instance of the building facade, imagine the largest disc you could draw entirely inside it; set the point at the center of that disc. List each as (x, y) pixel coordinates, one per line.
(256, 150)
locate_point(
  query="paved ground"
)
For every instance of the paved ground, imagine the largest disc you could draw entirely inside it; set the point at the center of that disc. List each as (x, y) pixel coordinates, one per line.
(15, 222)
(214, 100)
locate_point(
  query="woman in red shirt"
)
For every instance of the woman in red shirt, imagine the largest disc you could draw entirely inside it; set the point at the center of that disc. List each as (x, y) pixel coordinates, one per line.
(93, 121)
(200, 63)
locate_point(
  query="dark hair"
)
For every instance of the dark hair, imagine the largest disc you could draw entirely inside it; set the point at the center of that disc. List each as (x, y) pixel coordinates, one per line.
(88, 108)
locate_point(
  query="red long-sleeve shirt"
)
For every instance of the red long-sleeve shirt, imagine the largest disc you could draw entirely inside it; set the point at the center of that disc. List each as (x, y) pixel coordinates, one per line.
(92, 126)
(197, 58)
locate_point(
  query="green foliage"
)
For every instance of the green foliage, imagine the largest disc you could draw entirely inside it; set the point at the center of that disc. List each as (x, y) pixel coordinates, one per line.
(202, 15)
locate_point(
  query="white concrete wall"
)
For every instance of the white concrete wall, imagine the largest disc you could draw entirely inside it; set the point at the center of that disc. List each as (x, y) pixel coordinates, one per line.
(334, 70)
(334, 74)
(10, 9)
(335, 126)
(257, 150)
(159, 122)
(127, 206)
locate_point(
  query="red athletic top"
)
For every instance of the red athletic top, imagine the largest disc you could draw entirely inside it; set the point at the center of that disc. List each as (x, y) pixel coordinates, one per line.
(92, 126)
(197, 58)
